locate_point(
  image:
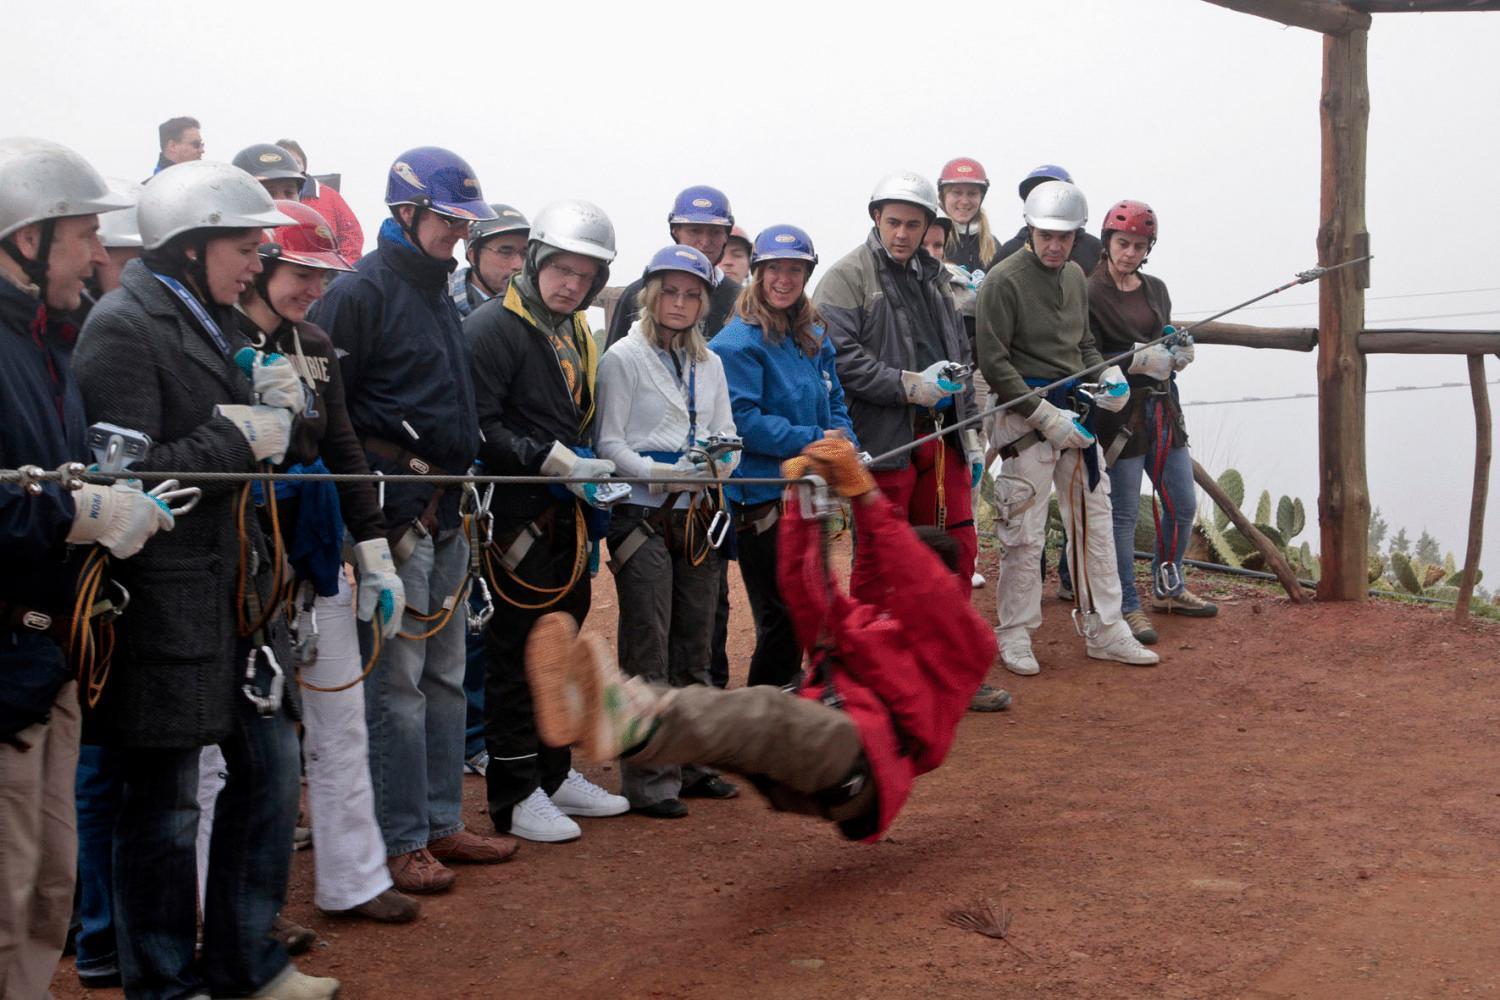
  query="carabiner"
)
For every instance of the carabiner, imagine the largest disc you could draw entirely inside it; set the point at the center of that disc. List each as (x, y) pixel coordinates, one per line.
(179, 499)
(1087, 623)
(1169, 576)
(718, 528)
(479, 619)
(306, 647)
(265, 705)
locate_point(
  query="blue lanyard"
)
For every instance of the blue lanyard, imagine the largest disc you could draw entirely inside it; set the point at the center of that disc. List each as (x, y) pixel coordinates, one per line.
(199, 313)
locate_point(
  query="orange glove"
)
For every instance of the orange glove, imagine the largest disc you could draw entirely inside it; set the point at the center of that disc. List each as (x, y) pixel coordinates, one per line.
(839, 464)
(796, 468)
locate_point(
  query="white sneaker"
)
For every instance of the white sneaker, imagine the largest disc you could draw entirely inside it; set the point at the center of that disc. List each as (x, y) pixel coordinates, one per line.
(1018, 659)
(977, 581)
(289, 984)
(1116, 643)
(578, 796)
(539, 819)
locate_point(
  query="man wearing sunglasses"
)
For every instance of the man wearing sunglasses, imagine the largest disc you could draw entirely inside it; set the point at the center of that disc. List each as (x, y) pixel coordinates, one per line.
(181, 141)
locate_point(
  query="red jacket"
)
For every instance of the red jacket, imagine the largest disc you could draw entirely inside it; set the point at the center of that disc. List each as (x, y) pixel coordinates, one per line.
(346, 230)
(906, 659)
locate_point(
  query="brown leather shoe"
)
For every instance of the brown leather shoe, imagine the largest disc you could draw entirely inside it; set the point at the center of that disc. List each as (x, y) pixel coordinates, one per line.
(419, 872)
(390, 907)
(295, 938)
(466, 847)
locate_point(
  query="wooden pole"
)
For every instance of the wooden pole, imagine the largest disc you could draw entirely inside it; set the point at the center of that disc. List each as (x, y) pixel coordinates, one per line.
(1275, 561)
(1429, 342)
(1344, 496)
(1482, 446)
(1328, 16)
(1284, 338)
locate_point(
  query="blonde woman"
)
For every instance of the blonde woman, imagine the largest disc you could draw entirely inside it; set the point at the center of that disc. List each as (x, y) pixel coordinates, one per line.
(662, 397)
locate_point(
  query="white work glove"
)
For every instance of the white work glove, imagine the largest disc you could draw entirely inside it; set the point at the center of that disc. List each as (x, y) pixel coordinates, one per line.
(1114, 391)
(1153, 362)
(928, 387)
(119, 517)
(682, 468)
(1060, 427)
(273, 379)
(1182, 354)
(565, 463)
(974, 455)
(380, 589)
(268, 429)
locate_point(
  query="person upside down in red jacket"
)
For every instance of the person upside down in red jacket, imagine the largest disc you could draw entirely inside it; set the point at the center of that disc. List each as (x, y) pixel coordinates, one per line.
(892, 667)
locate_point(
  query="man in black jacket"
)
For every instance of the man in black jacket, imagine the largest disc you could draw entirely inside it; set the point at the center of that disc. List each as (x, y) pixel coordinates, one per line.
(1086, 246)
(407, 388)
(534, 360)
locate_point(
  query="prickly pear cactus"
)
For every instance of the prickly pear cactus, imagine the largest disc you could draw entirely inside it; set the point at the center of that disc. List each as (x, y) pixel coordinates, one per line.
(1377, 566)
(1457, 579)
(1145, 527)
(1215, 536)
(1263, 508)
(1405, 573)
(1232, 483)
(1290, 517)
(1432, 576)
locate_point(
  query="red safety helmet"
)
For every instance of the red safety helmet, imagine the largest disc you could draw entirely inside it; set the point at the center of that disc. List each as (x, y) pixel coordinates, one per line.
(309, 242)
(1134, 217)
(736, 233)
(964, 170)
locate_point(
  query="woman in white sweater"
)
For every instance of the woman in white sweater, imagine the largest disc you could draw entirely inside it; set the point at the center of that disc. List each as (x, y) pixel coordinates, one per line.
(662, 397)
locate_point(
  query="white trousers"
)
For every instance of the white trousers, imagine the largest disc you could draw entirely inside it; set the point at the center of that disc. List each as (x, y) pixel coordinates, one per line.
(1022, 535)
(348, 852)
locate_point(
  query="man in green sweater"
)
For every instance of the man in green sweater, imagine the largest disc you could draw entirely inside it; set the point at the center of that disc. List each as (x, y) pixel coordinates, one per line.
(1032, 320)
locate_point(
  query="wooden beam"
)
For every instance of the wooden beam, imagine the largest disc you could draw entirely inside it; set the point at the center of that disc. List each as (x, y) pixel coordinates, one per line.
(1275, 561)
(1284, 338)
(1422, 6)
(1328, 16)
(1344, 493)
(1483, 435)
(1429, 341)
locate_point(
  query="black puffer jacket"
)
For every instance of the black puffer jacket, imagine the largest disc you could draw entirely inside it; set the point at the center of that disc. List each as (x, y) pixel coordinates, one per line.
(142, 363)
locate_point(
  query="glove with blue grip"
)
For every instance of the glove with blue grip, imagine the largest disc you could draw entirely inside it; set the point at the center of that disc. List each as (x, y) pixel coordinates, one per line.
(564, 463)
(1061, 428)
(928, 386)
(380, 589)
(119, 517)
(1114, 391)
(273, 379)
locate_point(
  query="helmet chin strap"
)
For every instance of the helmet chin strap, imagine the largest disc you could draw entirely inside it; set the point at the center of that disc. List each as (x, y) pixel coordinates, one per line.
(34, 269)
(969, 228)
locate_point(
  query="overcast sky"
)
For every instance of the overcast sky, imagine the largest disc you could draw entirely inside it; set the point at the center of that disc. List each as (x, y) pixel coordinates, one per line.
(795, 109)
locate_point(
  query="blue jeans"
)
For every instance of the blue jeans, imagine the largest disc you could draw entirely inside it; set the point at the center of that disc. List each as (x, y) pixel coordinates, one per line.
(98, 792)
(156, 871)
(1178, 503)
(415, 708)
(474, 661)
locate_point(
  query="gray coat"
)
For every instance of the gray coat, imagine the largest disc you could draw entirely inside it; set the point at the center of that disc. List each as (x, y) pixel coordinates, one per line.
(876, 342)
(141, 363)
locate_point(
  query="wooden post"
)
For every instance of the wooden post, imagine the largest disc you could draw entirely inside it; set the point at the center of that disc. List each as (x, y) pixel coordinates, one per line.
(1344, 495)
(1482, 446)
(1275, 561)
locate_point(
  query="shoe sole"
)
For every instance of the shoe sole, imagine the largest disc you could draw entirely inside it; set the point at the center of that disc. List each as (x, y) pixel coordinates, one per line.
(1023, 671)
(565, 689)
(1129, 663)
(544, 838)
(1163, 609)
(424, 890)
(593, 812)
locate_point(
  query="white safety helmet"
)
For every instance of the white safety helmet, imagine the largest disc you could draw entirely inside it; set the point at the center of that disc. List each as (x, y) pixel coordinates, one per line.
(121, 230)
(907, 186)
(42, 180)
(203, 194)
(576, 226)
(1056, 206)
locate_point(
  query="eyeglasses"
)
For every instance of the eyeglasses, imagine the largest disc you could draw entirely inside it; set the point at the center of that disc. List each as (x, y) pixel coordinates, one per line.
(680, 294)
(453, 222)
(500, 251)
(568, 272)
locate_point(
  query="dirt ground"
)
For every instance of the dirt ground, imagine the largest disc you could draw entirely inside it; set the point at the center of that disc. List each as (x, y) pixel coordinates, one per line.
(1299, 802)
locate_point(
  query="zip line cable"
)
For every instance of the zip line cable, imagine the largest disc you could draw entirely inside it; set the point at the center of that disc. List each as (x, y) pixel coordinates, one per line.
(1313, 395)
(1368, 298)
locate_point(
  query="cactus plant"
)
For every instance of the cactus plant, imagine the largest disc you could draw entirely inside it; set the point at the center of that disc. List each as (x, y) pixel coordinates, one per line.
(1290, 517)
(1263, 508)
(1233, 484)
(1405, 573)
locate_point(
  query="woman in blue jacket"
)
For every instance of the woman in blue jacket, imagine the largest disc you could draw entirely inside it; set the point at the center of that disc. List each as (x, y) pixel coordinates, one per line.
(785, 394)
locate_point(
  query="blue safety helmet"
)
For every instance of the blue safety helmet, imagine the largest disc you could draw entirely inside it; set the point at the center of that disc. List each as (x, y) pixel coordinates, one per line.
(784, 242)
(439, 180)
(1046, 172)
(689, 260)
(703, 205)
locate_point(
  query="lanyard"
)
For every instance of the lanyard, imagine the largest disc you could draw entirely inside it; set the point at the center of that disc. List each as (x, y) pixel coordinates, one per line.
(199, 313)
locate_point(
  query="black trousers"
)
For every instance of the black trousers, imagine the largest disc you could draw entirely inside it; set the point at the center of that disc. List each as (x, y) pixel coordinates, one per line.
(520, 762)
(718, 651)
(778, 658)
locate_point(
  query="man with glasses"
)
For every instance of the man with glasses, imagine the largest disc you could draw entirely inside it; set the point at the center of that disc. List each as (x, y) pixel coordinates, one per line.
(411, 401)
(180, 141)
(495, 250)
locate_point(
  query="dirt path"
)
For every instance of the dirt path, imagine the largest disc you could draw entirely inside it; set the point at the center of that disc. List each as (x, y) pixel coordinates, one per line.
(1297, 803)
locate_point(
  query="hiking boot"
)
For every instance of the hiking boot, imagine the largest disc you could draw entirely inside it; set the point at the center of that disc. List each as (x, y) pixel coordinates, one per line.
(469, 848)
(989, 699)
(580, 697)
(665, 809)
(418, 872)
(1141, 627)
(390, 907)
(1116, 643)
(289, 984)
(538, 818)
(578, 796)
(1018, 659)
(1187, 604)
(478, 764)
(295, 938)
(710, 787)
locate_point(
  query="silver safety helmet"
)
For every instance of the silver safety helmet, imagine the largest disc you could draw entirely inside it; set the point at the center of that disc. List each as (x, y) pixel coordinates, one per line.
(1056, 206)
(203, 194)
(121, 230)
(576, 226)
(42, 180)
(507, 220)
(907, 186)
